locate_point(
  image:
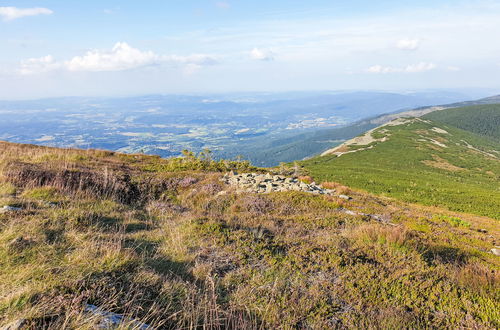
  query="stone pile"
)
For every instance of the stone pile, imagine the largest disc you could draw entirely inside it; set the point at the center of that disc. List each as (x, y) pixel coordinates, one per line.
(267, 183)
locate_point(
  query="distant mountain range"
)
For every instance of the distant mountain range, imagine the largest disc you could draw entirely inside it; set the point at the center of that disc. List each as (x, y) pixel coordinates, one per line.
(247, 124)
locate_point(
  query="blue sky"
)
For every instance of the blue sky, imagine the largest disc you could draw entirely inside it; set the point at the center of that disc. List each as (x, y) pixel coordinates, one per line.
(62, 48)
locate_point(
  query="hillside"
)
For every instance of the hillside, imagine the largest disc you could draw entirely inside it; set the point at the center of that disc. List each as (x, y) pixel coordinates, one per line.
(479, 119)
(419, 160)
(270, 152)
(166, 244)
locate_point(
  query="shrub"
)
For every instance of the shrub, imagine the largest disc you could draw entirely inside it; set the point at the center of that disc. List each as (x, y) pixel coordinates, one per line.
(203, 161)
(395, 237)
(257, 204)
(306, 179)
(339, 188)
(330, 185)
(454, 221)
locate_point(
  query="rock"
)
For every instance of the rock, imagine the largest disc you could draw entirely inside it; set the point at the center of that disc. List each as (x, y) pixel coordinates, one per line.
(347, 198)
(496, 251)
(349, 212)
(8, 208)
(109, 320)
(16, 325)
(222, 193)
(266, 183)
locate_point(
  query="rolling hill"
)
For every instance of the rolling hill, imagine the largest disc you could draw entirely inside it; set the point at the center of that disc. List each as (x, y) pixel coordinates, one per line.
(433, 162)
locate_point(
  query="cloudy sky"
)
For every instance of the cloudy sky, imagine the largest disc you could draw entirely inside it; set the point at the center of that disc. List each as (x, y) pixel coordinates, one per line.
(63, 48)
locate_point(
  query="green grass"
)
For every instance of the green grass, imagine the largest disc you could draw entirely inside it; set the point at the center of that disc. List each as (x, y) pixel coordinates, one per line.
(417, 171)
(454, 221)
(7, 189)
(43, 193)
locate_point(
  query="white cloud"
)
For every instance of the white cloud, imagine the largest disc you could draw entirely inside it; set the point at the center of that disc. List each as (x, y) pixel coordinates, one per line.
(120, 57)
(39, 65)
(420, 67)
(261, 54)
(412, 68)
(12, 13)
(408, 44)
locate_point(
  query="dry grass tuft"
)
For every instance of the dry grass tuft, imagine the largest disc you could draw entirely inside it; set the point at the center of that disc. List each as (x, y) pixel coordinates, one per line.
(306, 179)
(339, 188)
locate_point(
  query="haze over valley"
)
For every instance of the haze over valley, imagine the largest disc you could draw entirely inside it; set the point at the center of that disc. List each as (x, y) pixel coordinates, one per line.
(229, 125)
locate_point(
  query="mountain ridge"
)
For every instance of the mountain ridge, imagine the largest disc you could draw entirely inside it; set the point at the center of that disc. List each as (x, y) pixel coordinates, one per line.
(307, 145)
(438, 160)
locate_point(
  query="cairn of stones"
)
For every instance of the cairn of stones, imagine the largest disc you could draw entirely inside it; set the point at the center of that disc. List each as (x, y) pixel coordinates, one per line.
(267, 183)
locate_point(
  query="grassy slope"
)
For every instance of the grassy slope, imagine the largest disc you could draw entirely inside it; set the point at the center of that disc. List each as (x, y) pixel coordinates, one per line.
(273, 152)
(407, 168)
(480, 119)
(270, 152)
(177, 255)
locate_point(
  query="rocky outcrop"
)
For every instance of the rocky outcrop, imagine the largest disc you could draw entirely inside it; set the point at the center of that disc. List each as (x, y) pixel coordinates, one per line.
(267, 183)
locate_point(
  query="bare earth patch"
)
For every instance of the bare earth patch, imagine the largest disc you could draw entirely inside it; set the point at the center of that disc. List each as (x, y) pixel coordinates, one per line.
(439, 130)
(365, 139)
(441, 163)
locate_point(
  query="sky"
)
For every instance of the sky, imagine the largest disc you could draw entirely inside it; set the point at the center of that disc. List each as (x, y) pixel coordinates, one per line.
(130, 47)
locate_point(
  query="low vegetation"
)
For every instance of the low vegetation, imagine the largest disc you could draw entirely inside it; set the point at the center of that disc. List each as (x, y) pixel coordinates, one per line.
(480, 119)
(424, 162)
(156, 241)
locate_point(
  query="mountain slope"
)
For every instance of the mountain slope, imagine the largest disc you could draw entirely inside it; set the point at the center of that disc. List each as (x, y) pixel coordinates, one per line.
(270, 152)
(419, 160)
(166, 243)
(479, 119)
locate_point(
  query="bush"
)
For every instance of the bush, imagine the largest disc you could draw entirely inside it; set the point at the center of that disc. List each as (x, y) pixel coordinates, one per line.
(454, 221)
(203, 161)
(306, 179)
